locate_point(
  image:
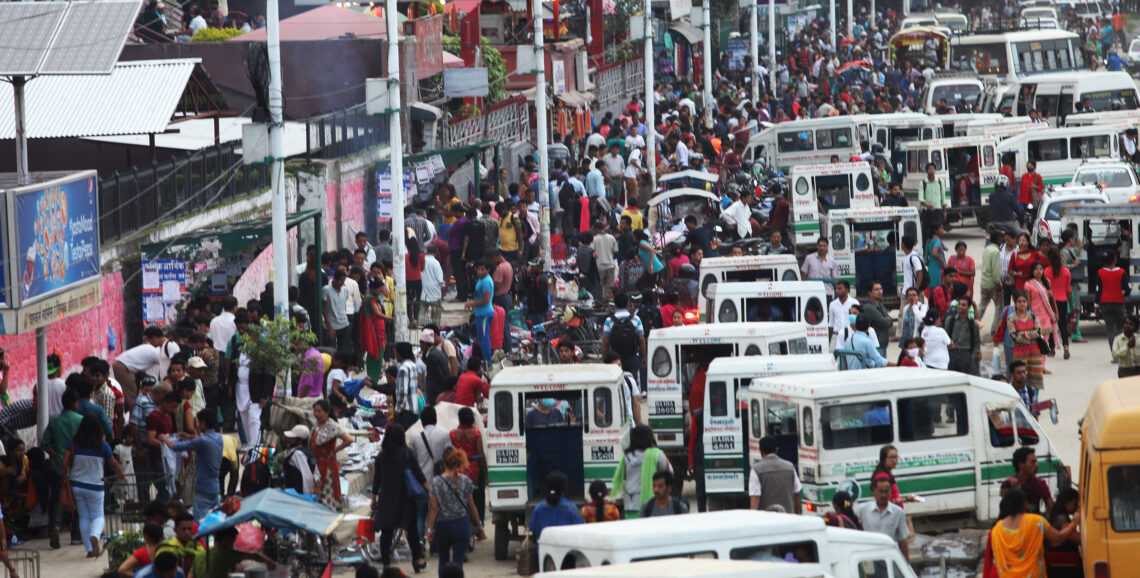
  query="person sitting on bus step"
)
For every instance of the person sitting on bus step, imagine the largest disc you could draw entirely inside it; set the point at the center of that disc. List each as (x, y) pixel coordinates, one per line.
(1025, 477)
(544, 414)
(773, 481)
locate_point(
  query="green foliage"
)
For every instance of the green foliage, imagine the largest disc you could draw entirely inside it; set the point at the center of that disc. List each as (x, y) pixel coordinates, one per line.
(270, 346)
(120, 547)
(492, 60)
(216, 34)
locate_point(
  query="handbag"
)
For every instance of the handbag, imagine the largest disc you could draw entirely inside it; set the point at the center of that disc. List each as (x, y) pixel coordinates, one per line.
(413, 489)
(1045, 346)
(528, 557)
(66, 496)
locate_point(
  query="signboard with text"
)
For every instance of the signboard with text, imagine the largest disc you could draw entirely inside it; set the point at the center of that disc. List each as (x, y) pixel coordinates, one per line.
(384, 192)
(55, 241)
(163, 283)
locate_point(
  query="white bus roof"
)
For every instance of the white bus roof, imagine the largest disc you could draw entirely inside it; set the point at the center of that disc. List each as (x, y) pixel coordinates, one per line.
(749, 365)
(1067, 131)
(1013, 36)
(702, 568)
(880, 381)
(954, 141)
(748, 261)
(770, 286)
(575, 374)
(729, 331)
(728, 525)
(829, 169)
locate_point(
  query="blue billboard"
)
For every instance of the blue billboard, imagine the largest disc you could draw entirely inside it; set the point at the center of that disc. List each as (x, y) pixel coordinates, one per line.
(57, 235)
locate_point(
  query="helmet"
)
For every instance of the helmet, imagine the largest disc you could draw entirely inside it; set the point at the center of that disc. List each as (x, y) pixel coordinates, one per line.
(741, 178)
(635, 298)
(687, 271)
(877, 148)
(1002, 181)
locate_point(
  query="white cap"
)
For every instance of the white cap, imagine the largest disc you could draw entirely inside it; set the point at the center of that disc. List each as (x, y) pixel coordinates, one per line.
(300, 431)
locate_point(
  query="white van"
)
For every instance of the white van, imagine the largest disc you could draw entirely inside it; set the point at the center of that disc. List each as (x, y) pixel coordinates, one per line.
(675, 354)
(957, 88)
(810, 141)
(1059, 94)
(820, 188)
(1059, 151)
(725, 441)
(699, 568)
(1088, 9)
(955, 434)
(728, 535)
(776, 301)
(867, 246)
(966, 166)
(742, 269)
(1056, 200)
(1116, 177)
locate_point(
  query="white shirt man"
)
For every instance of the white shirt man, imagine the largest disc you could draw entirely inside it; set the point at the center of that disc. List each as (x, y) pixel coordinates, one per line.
(432, 280)
(197, 24)
(682, 154)
(911, 265)
(222, 328)
(144, 357)
(840, 307)
(633, 166)
(740, 214)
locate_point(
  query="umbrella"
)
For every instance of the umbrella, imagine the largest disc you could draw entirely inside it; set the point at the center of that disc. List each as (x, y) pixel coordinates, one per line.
(272, 507)
(447, 418)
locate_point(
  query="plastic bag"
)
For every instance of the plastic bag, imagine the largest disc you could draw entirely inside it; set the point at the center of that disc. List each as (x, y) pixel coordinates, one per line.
(250, 538)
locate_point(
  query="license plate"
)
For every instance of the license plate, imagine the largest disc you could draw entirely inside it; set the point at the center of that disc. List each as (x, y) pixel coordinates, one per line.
(506, 456)
(723, 443)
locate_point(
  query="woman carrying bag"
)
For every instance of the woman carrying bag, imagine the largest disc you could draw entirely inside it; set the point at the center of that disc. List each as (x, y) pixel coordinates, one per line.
(398, 485)
(452, 513)
(1019, 332)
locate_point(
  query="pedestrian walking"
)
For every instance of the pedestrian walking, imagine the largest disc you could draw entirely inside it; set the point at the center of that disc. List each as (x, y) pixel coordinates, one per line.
(883, 516)
(392, 504)
(773, 481)
(453, 513)
(634, 475)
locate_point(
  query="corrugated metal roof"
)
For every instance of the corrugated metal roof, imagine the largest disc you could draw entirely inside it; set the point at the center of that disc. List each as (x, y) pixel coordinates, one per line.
(138, 97)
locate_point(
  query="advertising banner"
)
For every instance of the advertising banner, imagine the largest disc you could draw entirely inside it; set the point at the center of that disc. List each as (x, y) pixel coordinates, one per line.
(57, 235)
(429, 45)
(384, 192)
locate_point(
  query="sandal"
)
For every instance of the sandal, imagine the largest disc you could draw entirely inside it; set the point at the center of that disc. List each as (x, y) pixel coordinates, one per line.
(1066, 353)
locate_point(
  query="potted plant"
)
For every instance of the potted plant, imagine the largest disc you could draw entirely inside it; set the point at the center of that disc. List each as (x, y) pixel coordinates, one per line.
(272, 350)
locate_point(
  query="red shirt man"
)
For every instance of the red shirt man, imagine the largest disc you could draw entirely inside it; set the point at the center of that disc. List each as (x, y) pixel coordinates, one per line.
(471, 388)
(1031, 184)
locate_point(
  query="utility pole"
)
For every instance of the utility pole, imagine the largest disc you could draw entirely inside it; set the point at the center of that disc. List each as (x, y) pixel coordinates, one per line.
(850, 19)
(396, 146)
(543, 145)
(706, 14)
(772, 45)
(277, 152)
(831, 19)
(754, 29)
(650, 104)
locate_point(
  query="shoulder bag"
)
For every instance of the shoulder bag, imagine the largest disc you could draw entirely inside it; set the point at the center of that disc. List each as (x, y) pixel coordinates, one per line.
(413, 489)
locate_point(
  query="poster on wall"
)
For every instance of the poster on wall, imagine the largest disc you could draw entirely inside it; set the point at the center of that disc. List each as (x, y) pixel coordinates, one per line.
(163, 283)
(57, 235)
(384, 193)
(737, 50)
(558, 73)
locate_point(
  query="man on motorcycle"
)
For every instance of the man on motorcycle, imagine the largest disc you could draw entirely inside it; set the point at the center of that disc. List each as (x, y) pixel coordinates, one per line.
(1006, 213)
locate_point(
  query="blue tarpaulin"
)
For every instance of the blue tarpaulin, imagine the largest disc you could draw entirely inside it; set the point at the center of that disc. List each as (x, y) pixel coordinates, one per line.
(276, 508)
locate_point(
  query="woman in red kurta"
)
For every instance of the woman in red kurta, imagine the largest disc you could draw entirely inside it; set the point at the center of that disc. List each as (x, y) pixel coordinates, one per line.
(324, 444)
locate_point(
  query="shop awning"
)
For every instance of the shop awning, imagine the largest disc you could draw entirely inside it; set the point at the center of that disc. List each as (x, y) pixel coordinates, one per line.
(575, 98)
(281, 510)
(688, 31)
(223, 240)
(451, 157)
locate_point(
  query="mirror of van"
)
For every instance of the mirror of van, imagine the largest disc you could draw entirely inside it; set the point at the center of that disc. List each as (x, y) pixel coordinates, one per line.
(1053, 414)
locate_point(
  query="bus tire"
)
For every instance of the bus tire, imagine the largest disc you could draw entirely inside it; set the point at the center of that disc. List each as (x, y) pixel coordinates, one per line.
(502, 540)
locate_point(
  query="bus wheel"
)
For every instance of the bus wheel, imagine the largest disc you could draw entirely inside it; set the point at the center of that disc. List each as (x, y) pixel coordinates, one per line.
(502, 540)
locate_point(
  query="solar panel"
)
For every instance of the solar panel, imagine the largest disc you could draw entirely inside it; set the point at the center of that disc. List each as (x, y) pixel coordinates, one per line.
(91, 37)
(26, 31)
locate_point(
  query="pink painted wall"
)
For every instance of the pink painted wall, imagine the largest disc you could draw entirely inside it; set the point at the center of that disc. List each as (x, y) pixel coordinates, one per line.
(76, 338)
(253, 281)
(348, 193)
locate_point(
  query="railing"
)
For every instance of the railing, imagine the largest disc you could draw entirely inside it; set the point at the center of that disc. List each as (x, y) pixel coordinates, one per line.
(344, 133)
(142, 197)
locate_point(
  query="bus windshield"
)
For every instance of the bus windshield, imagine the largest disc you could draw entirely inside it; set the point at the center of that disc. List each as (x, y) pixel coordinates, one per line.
(956, 93)
(989, 58)
(1102, 99)
(1045, 56)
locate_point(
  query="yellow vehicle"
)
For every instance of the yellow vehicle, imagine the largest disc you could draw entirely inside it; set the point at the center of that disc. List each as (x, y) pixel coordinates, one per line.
(1110, 480)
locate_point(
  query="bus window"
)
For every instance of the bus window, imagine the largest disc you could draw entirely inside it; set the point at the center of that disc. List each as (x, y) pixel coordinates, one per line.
(752, 349)
(727, 312)
(770, 309)
(718, 399)
(857, 424)
(813, 311)
(1102, 99)
(746, 275)
(603, 407)
(797, 553)
(1048, 103)
(1088, 147)
(988, 155)
(794, 141)
(756, 420)
(798, 346)
(1002, 433)
(504, 413)
(873, 569)
(662, 363)
(1124, 497)
(809, 428)
(930, 417)
(552, 409)
(936, 158)
(837, 187)
(910, 228)
(780, 422)
(838, 238)
(981, 58)
(778, 348)
(916, 161)
(1053, 149)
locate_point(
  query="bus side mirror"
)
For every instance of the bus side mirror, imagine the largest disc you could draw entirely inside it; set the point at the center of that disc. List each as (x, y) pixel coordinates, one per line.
(1053, 414)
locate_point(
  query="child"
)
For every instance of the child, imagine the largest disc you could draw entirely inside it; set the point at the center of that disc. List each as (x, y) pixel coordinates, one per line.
(334, 384)
(127, 492)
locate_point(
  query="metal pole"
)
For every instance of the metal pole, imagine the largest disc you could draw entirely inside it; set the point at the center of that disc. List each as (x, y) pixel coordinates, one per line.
(772, 45)
(650, 104)
(871, 18)
(41, 381)
(277, 151)
(541, 139)
(850, 20)
(396, 146)
(831, 18)
(22, 176)
(709, 102)
(754, 29)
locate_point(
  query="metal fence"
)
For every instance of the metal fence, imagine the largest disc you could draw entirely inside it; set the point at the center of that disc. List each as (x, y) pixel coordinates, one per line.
(26, 562)
(344, 133)
(142, 197)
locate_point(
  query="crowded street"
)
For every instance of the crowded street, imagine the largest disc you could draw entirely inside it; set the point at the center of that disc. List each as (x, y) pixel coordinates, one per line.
(598, 289)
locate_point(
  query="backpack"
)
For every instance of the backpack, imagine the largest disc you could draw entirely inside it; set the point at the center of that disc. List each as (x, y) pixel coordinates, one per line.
(922, 285)
(459, 356)
(623, 335)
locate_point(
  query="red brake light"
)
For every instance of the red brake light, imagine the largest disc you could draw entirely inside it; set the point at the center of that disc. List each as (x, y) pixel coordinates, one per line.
(691, 316)
(1133, 198)
(1100, 570)
(809, 507)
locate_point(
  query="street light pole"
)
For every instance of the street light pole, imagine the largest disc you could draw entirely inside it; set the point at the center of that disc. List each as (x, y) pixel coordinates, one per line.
(542, 139)
(650, 104)
(706, 12)
(772, 45)
(396, 147)
(277, 154)
(754, 29)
